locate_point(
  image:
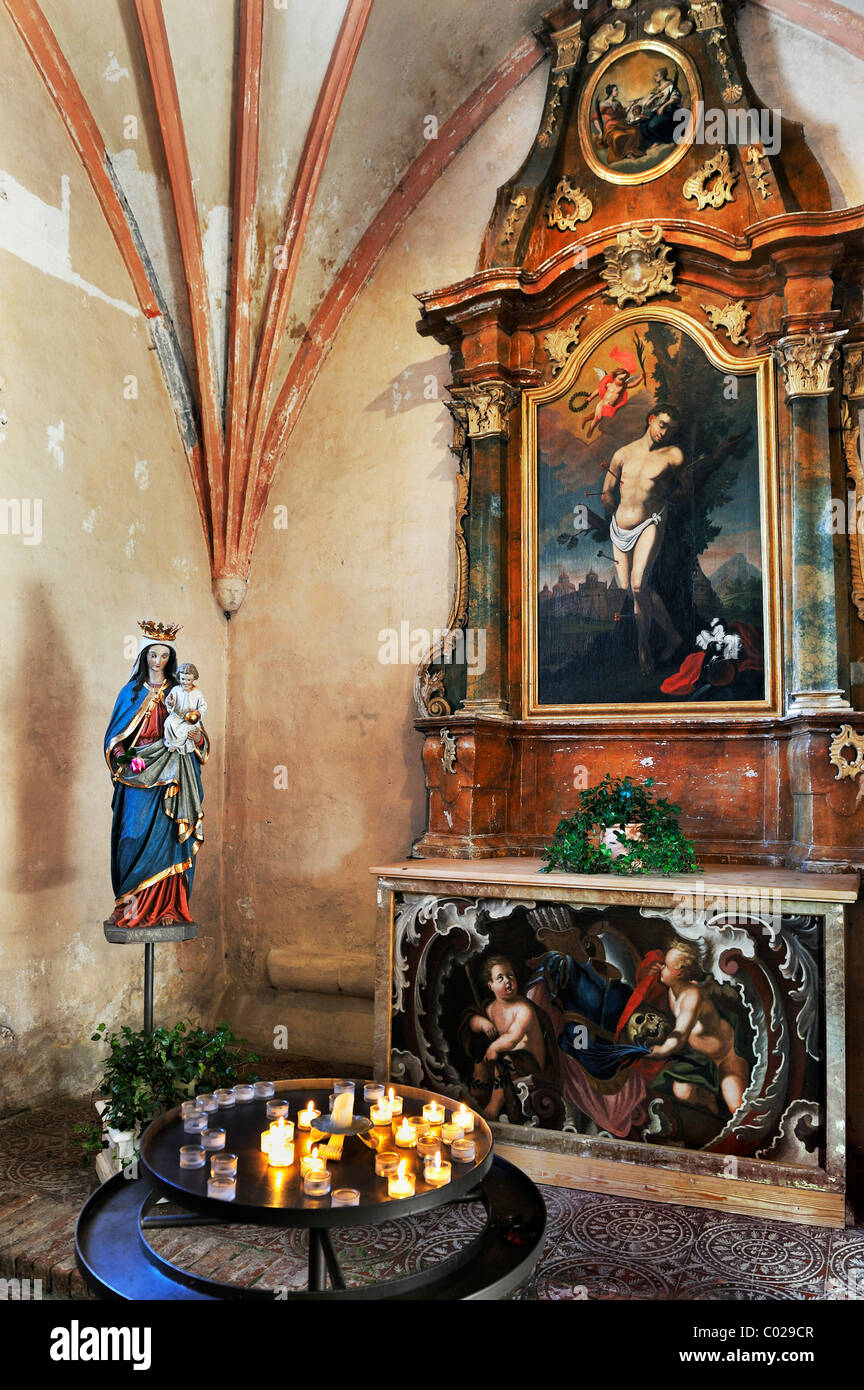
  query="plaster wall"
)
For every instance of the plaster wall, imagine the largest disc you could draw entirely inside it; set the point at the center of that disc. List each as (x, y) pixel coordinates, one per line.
(118, 539)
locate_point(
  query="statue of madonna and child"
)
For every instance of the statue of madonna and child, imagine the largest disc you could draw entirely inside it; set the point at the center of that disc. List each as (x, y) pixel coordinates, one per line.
(154, 747)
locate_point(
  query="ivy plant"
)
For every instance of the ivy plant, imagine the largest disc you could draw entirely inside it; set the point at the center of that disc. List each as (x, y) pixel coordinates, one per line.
(662, 848)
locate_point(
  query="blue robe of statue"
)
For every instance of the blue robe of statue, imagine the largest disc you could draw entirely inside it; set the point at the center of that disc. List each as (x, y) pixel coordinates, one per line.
(156, 829)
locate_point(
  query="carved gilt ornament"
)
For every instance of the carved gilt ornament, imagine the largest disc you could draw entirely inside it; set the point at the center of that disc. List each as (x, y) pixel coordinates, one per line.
(448, 751)
(513, 217)
(847, 737)
(667, 20)
(568, 46)
(560, 342)
(806, 360)
(733, 317)
(553, 109)
(756, 157)
(605, 38)
(638, 266)
(488, 405)
(853, 372)
(851, 453)
(713, 182)
(707, 15)
(566, 195)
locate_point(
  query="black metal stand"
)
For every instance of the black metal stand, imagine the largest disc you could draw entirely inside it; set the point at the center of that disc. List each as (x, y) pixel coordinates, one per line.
(148, 936)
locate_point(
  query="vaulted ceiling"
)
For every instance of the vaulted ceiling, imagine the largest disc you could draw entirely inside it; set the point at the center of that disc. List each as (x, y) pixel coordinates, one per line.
(254, 159)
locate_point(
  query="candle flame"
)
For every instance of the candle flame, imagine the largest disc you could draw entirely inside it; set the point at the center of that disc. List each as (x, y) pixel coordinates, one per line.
(392, 1096)
(402, 1166)
(437, 1163)
(313, 1152)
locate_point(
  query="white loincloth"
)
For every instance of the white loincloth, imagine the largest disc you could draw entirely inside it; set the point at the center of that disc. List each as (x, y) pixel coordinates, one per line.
(625, 540)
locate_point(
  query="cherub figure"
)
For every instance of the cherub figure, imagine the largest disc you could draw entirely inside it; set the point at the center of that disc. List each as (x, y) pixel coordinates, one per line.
(186, 707)
(698, 1025)
(612, 389)
(517, 1046)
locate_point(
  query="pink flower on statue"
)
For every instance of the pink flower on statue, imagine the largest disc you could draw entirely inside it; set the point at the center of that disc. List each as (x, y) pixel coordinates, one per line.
(137, 765)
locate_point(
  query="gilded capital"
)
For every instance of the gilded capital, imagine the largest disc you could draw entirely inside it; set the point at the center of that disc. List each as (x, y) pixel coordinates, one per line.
(806, 360)
(853, 372)
(707, 15)
(568, 46)
(488, 404)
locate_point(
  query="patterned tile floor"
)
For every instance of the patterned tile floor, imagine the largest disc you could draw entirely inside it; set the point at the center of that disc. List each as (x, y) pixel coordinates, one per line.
(597, 1247)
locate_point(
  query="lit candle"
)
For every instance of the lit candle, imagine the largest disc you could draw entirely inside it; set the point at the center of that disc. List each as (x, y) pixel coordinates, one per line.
(373, 1091)
(213, 1138)
(433, 1113)
(406, 1135)
(345, 1197)
(192, 1156)
(317, 1184)
(223, 1188)
(386, 1163)
(437, 1173)
(305, 1118)
(263, 1089)
(223, 1165)
(276, 1108)
(381, 1114)
(280, 1150)
(343, 1109)
(400, 1183)
(462, 1150)
(281, 1132)
(451, 1132)
(311, 1163)
(395, 1102)
(464, 1118)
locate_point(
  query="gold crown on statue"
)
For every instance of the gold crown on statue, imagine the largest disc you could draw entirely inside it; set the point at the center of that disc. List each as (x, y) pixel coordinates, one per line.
(159, 632)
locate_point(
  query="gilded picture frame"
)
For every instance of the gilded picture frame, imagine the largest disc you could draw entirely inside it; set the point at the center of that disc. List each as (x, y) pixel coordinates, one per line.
(696, 629)
(622, 138)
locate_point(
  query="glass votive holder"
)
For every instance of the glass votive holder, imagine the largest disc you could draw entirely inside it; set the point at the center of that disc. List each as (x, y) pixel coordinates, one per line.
(380, 1112)
(280, 1152)
(277, 1109)
(395, 1102)
(305, 1117)
(226, 1098)
(401, 1184)
(223, 1165)
(437, 1174)
(345, 1197)
(311, 1163)
(433, 1113)
(340, 1087)
(192, 1156)
(244, 1091)
(208, 1102)
(427, 1145)
(373, 1091)
(462, 1150)
(264, 1089)
(195, 1123)
(223, 1188)
(406, 1136)
(317, 1184)
(191, 1107)
(464, 1118)
(213, 1138)
(386, 1162)
(452, 1133)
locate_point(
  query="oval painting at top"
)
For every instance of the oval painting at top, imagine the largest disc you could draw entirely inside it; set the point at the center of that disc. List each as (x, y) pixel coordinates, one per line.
(633, 125)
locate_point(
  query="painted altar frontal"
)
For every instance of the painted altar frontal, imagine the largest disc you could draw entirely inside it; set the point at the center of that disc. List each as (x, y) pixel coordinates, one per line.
(694, 1027)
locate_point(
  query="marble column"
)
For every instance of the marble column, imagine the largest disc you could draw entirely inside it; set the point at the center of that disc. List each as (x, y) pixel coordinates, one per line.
(806, 360)
(488, 405)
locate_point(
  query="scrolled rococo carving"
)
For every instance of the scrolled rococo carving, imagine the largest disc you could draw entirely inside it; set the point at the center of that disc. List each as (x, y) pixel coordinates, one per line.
(847, 737)
(560, 342)
(707, 15)
(713, 181)
(637, 266)
(851, 452)
(806, 360)
(733, 317)
(605, 38)
(666, 19)
(514, 217)
(853, 372)
(567, 193)
(568, 46)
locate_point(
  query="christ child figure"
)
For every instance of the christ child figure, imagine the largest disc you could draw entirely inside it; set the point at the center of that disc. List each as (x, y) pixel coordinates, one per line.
(186, 707)
(699, 1025)
(516, 1038)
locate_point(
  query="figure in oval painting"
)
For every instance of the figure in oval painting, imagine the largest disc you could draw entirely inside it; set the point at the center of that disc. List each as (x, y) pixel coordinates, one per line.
(154, 747)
